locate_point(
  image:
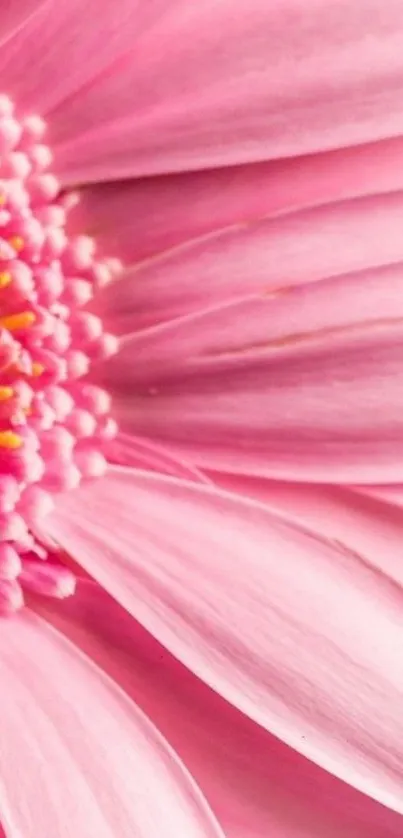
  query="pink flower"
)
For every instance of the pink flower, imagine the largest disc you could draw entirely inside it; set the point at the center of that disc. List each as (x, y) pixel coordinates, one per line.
(230, 665)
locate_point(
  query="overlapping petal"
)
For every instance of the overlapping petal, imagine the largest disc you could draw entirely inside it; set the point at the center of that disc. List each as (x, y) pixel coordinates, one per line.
(301, 634)
(272, 345)
(139, 218)
(303, 384)
(222, 83)
(77, 756)
(260, 257)
(365, 520)
(256, 784)
(129, 450)
(67, 45)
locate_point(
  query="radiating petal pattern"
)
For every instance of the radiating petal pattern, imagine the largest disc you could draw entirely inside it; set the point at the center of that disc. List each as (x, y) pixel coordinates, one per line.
(129, 450)
(364, 520)
(85, 38)
(139, 218)
(77, 756)
(260, 257)
(288, 78)
(303, 384)
(299, 633)
(256, 784)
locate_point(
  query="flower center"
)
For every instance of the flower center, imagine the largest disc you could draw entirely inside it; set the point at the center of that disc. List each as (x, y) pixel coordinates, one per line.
(53, 421)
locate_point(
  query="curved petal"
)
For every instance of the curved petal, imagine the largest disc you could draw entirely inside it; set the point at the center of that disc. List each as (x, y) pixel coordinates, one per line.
(393, 494)
(77, 757)
(14, 16)
(291, 78)
(128, 450)
(303, 385)
(260, 257)
(139, 218)
(256, 784)
(67, 45)
(300, 634)
(365, 520)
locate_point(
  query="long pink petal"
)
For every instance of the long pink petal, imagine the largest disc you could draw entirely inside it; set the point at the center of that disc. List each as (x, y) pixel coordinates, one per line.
(129, 450)
(393, 494)
(300, 634)
(67, 45)
(304, 384)
(257, 785)
(15, 15)
(363, 520)
(221, 83)
(77, 757)
(260, 256)
(138, 218)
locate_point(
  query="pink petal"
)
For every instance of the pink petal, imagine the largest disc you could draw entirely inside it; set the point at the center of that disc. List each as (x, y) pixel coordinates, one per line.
(392, 494)
(260, 256)
(66, 45)
(127, 450)
(79, 758)
(14, 15)
(303, 385)
(211, 84)
(355, 519)
(256, 784)
(299, 634)
(175, 208)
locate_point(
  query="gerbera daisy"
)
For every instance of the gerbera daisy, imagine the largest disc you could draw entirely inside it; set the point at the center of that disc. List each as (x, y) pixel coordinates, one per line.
(201, 424)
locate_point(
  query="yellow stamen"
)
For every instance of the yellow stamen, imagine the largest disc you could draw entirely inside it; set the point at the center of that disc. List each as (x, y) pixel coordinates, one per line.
(37, 369)
(5, 279)
(8, 439)
(14, 322)
(3, 199)
(6, 393)
(17, 242)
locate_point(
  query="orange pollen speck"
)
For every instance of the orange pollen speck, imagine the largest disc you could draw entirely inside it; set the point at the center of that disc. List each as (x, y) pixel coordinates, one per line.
(37, 369)
(14, 322)
(55, 421)
(5, 279)
(17, 242)
(6, 393)
(8, 439)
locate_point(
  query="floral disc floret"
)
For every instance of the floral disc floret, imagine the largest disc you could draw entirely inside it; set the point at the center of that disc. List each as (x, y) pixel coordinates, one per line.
(54, 423)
